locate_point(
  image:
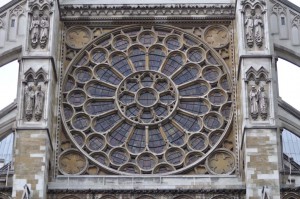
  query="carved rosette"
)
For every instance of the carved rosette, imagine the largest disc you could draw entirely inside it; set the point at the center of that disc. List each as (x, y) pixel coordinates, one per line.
(221, 161)
(217, 36)
(72, 162)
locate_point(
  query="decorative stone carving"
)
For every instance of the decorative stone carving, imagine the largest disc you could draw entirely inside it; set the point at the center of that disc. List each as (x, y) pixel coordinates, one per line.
(39, 103)
(40, 2)
(263, 104)
(257, 97)
(44, 31)
(17, 10)
(249, 30)
(221, 161)
(258, 32)
(39, 31)
(72, 162)
(253, 22)
(34, 96)
(78, 36)
(151, 91)
(253, 95)
(104, 11)
(34, 31)
(29, 102)
(216, 36)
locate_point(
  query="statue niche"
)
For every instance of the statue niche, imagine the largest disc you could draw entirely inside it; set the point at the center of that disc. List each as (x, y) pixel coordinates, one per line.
(34, 96)
(39, 29)
(258, 100)
(253, 22)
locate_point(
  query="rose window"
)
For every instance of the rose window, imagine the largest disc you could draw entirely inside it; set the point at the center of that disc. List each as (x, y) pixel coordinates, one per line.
(147, 101)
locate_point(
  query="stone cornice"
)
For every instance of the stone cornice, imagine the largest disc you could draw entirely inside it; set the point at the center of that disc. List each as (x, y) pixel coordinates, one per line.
(178, 11)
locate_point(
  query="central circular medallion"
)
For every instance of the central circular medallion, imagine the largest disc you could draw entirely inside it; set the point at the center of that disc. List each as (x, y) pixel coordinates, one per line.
(147, 97)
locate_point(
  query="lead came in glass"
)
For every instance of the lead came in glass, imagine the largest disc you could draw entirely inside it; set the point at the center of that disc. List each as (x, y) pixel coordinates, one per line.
(173, 63)
(197, 107)
(217, 97)
(147, 38)
(119, 135)
(196, 89)
(97, 107)
(173, 43)
(121, 43)
(197, 142)
(156, 57)
(96, 143)
(187, 74)
(187, 122)
(146, 161)
(147, 100)
(120, 63)
(174, 135)
(174, 156)
(99, 90)
(195, 55)
(108, 75)
(76, 97)
(119, 156)
(156, 142)
(98, 56)
(137, 141)
(212, 121)
(105, 123)
(138, 59)
(81, 122)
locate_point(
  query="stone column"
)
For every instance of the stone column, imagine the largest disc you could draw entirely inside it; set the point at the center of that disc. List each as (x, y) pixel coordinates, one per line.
(256, 89)
(37, 100)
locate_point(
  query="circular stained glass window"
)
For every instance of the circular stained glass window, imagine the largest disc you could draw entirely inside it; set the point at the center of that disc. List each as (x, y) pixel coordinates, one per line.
(149, 100)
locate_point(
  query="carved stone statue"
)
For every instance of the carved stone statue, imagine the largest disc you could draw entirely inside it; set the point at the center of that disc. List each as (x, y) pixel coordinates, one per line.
(263, 105)
(249, 30)
(258, 25)
(29, 102)
(34, 31)
(44, 31)
(39, 103)
(253, 95)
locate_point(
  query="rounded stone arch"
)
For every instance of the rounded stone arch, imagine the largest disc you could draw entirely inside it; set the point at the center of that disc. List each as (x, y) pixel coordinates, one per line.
(144, 77)
(291, 196)
(183, 197)
(145, 197)
(108, 197)
(221, 197)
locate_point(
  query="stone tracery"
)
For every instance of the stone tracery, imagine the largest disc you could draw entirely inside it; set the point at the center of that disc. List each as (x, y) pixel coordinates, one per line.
(135, 98)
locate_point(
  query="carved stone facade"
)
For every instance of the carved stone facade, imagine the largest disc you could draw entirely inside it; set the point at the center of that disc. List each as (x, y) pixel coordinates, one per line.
(118, 100)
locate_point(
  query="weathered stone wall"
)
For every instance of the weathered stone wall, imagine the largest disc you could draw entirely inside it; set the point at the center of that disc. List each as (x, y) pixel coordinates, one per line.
(31, 163)
(261, 162)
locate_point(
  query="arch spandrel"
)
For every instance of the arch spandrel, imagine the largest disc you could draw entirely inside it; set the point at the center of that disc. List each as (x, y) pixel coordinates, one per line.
(147, 100)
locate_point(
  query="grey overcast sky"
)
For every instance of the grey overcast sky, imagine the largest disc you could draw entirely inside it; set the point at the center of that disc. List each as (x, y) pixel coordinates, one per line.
(289, 79)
